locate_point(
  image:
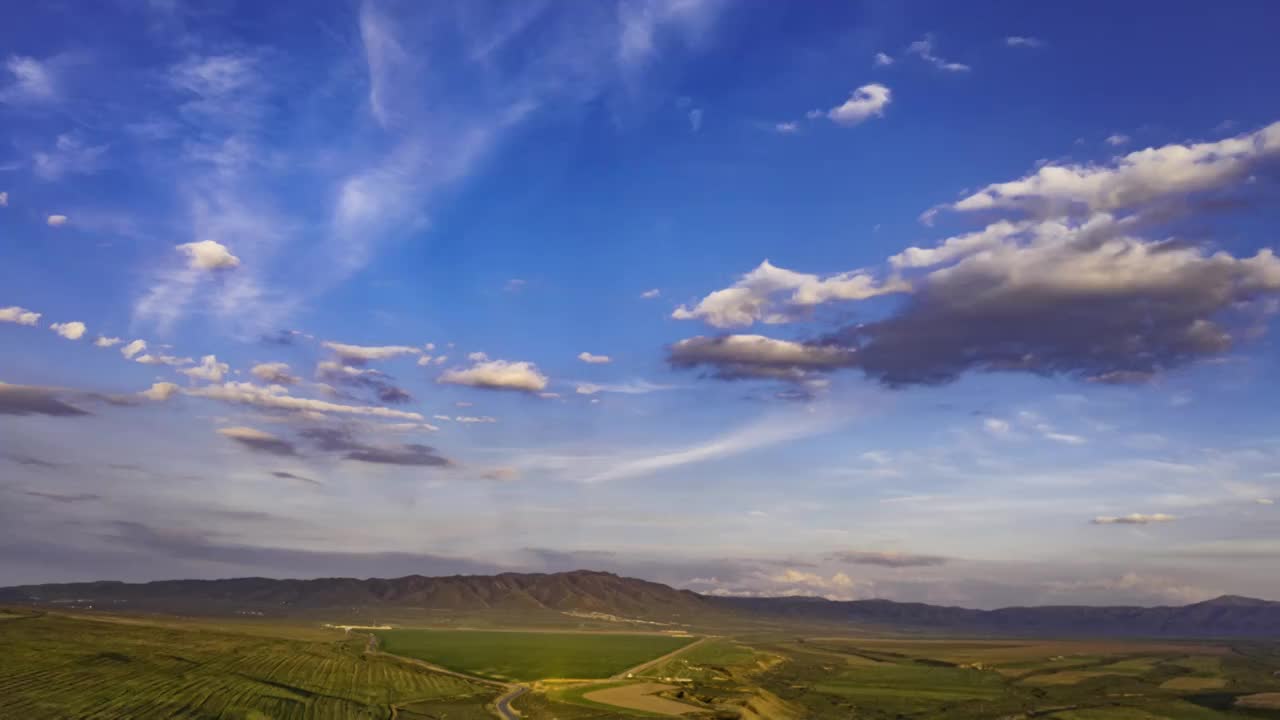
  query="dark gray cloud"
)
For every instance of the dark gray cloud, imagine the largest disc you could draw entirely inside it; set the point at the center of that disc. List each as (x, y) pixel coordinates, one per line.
(411, 454)
(1082, 301)
(259, 441)
(1109, 310)
(29, 461)
(342, 440)
(291, 476)
(281, 338)
(185, 544)
(1103, 272)
(888, 559)
(33, 400)
(350, 373)
(551, 560)
(737, 357)
(62, 497)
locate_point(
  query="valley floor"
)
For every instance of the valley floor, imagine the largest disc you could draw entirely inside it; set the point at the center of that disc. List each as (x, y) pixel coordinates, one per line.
(67, 665)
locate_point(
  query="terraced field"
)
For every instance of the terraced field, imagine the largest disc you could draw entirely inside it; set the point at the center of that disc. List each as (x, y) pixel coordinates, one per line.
(523, 656)
(61, 667)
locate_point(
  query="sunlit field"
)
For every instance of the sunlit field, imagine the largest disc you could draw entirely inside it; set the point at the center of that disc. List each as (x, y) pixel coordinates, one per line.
(530, 655)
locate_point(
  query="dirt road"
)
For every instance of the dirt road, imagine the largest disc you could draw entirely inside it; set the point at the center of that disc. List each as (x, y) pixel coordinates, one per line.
(656, 661)
(502, 704)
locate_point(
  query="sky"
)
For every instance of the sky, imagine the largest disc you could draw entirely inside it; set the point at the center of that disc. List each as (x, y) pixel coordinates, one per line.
(962, 303)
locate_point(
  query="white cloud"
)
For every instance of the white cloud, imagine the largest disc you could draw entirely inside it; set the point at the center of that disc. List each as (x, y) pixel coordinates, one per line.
(70, 330)
(33, 81)
(1133, 519)
(68, 156)
(882, 59)
(640, 23)
(246, 433)
(651, 294)
(997, 427)
(274, 373)
(105, 342)
(4, 199)
(498, 375)
(19, 315)
(787, 128)
(1117, 140)
(208, 255)
(160, 391)
(362, 354)
(1066, 438)
(474, 419)
(695, 119)
(634, 387)
(587, 357)
(923, 48)
(56, 220)
(225, 90)
(754, 296)
(879, 457)
(1134, 179)
(1023, 41)
(501, 474)
(866, 102)
(276, 396)
(133, 348)
(1265, 501)
(477, 356)
(209, 369)
(765, 432)
(162, 359)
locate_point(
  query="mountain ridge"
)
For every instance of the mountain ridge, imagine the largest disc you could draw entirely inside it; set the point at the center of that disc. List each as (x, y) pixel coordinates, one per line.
(590, 591)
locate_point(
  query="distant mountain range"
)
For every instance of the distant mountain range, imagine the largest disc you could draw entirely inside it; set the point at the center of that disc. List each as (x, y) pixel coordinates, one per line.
(585, 591)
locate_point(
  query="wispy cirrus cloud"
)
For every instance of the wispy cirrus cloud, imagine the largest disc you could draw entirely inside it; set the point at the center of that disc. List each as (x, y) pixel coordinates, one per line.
(1133, 519)
(31, 81)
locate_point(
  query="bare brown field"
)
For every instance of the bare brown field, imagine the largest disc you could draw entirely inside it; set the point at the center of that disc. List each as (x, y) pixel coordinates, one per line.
(1260, 701)
(1193, 683)
(642, 697)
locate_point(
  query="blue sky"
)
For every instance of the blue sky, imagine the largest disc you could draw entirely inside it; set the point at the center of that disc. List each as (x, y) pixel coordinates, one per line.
(963, 303)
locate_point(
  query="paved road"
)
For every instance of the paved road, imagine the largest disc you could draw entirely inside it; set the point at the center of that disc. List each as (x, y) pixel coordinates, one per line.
(504, 703)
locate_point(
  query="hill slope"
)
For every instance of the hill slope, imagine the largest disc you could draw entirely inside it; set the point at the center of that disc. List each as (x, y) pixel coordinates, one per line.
(587, 591)
(1227, 616)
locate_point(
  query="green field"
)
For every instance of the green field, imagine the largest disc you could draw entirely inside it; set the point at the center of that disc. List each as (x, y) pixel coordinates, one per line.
(523, 656)
(63, 667)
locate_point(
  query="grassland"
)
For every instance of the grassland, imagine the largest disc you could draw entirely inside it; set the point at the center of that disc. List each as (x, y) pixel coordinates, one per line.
(63, 667)
(525, 656)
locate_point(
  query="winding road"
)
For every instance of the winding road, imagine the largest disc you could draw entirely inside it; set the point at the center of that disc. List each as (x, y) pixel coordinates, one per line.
(503, 704)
